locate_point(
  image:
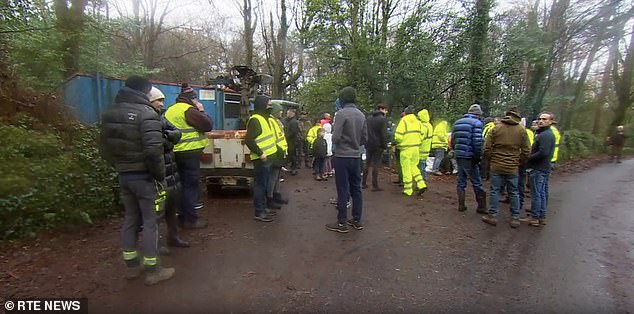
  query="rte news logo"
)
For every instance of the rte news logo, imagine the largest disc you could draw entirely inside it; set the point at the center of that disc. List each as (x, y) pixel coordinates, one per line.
(47, 306)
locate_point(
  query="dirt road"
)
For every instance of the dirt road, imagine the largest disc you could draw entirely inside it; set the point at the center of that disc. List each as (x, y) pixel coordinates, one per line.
(414, 254)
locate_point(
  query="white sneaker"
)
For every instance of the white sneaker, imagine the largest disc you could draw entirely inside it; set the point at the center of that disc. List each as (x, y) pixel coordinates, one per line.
(454, 172)
(285, 169)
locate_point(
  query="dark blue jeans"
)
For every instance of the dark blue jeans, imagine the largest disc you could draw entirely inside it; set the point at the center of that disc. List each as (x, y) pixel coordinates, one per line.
(539, 194)
(467, 169)
(439, 155)
(348, 181)
(497, 182)
(189, 172)
(262, 177)
(521, 186)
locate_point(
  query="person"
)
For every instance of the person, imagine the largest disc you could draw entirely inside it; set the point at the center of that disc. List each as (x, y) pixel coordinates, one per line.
(310, 139)
(350, 132)
(426, 138)
(274, 197)
(467, 144)
(328, 137)
(261, 141)
(320, 151)
(376, 145)
(173, 189)
(132, 141)
(506, 149)
(293, 137)
(304, 125)
(617, 141)
(539, 168)
(325, 119)
(523, 175)
(188, 115)
(439, 146)
(408, 138)
(554, 128)
(489, 124)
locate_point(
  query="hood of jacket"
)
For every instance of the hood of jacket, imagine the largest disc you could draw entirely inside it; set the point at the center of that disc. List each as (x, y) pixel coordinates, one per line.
(423, 116)
(260, 105)
(511, 120)
(377, 113)
(132, 96)
(441, 127)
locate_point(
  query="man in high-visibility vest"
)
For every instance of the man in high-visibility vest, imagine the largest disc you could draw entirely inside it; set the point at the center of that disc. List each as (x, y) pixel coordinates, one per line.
(188, 115)
(311, 136)
(408, 139)
(523, 176)
(439, 145)
(262, 143)
(489, 124)
(427, 134)
(273, 196)
(554, 128)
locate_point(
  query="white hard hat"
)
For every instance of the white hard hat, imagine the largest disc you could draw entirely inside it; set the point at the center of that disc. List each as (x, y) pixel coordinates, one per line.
(155, 94)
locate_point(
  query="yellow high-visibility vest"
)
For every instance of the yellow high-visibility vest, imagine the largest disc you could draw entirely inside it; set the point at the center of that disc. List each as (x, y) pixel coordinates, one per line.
(312, 134)
(190, 138)
(440, 139)
(487, 128)
(279, 133)
(557, 140)
(266, 141)
(531, 136)
(408, 132)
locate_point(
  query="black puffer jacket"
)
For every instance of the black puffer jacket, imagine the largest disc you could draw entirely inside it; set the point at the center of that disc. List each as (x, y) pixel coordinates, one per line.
(377, 131)
(132, 135)
(172, 136)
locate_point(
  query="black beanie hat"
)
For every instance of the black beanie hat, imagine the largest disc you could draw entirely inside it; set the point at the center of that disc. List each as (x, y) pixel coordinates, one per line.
(187, 92)
(410, 110)
(260, 103)
(348, 95)
(139, 83)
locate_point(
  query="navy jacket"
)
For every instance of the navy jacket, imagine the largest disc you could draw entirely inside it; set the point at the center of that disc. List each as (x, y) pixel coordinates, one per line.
(467, 137)
(542, 150)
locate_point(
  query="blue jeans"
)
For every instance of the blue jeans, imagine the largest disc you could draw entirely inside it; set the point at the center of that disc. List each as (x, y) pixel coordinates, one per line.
(497, 182)
(539, 194)
(439, 155)
(189, 172)
(467, 169)
(348, 181)
(423, 165)
(262, 177)
(521, 185)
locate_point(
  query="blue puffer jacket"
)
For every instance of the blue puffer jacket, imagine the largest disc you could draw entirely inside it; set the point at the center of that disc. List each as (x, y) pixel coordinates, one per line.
(467, 137)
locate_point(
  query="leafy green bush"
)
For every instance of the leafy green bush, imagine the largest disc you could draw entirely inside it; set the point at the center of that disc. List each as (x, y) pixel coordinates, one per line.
(578, 144)
(47, 183)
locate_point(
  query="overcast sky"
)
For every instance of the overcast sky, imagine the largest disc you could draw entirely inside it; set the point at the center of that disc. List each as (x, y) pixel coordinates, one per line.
(228, 10)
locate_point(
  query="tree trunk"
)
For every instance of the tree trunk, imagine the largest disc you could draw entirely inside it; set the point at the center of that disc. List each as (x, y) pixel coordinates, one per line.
(478, 69)
(70, 22)
(279, 54)
(623, 84)
(249, 30)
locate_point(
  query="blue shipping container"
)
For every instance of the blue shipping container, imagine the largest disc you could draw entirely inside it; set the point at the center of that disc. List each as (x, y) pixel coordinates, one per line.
(90, 95)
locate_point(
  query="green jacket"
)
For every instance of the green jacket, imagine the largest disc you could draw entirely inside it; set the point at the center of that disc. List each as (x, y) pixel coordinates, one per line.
(507, 146)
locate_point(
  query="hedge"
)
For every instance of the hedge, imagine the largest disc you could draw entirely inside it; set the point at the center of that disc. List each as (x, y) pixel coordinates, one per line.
(47, 183)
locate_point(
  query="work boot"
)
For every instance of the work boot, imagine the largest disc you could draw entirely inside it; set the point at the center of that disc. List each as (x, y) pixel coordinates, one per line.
(161, 274)
(355, 224)
(491, 220)
(421, 191)
(515, 223)
(542, 221)
(199, 224)
(176, 241)
(133, 272)
(533, 222)
(481, 198)
(273, 204)
(277, 197)
(461, 201)
(164, 250)
(337, 227)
